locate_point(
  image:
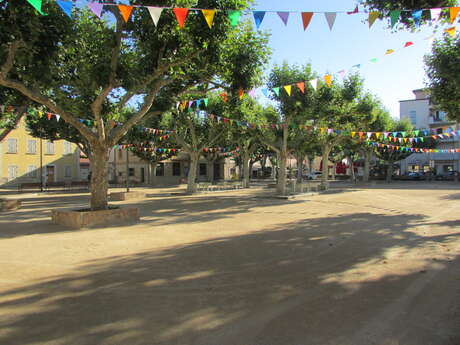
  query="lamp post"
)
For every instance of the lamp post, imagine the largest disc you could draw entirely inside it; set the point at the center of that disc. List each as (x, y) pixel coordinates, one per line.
(127, 170)
(41, 165)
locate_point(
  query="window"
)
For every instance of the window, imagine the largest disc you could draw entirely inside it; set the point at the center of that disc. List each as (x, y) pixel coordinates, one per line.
(131, 172)
(12, 172)
(203, 170)
(67, 171)
(160, 171)
(31, 146)
(31, 171)
(67, 148)
(49, 148)
(176, 168)
(12, 145)
(413, 117)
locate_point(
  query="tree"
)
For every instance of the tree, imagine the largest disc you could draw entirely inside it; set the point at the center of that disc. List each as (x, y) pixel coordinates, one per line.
(407, 6)
(443, 71)
(89, 68)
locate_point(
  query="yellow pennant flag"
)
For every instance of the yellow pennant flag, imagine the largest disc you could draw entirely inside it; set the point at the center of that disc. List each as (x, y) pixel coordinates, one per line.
(328, 79)
(451, 31)
(209, 16)
(373, 17)
(378, 134)
(40, 114)
(389, 51)
(454, 13)
(288, 89)
(353, 134)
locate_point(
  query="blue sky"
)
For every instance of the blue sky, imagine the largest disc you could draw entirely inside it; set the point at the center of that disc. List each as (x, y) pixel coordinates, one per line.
(349, 43)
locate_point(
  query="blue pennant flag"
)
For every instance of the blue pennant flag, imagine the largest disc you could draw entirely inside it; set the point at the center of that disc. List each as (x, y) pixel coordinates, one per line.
(258, 17)
(417, 15)
(66, 6)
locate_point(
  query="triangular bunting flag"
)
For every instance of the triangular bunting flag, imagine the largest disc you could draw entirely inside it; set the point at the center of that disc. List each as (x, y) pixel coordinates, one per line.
(240, 93)
(356, 66)
(408, 44)
(417, 15)
(389, 51)
(373, 15)
(394, 16)
(265, 92)
(181, 15)
(330, 17)
(58, 117)
(37, 4)
(125, 11)
(209, 16)
(301, 87)
(66, 6)
(252, 93)
(276, 90)
(341, 73)
(284, 17)
(258, 17)
(314, 83)
(328, 79)
(374, 60)
(453, 11)
(435, 13)
(451, 31)
(356, 10)
(155, 13)
(96, 8)
(306, 19)
(205, 101)
(288, 89)
(234, 17)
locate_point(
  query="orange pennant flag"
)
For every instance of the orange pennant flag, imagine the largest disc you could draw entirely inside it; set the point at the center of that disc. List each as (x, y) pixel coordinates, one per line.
(373, 17)
(453, 13)
(241, 93)
(451, 31)
(181, 15)
(301, 86)
(328, 79)
(288, 89)
(306, 19)
(125, 11)
(209, 16)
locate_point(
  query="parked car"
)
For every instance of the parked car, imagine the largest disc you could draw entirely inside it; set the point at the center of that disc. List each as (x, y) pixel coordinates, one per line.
(314, 175)
(416, 176)
(449, 176)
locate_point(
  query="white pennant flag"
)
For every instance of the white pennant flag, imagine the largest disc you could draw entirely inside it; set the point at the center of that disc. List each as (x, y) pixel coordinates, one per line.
(435, 13)
(57, 117)
(155, 13)
(330, 17)
(314, 83)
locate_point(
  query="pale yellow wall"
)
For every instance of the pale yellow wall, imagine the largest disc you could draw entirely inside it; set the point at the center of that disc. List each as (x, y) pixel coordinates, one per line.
(22, 159)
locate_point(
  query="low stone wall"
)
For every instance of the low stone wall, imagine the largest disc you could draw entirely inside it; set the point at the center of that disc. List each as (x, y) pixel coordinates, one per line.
(122, 196)
(89, 219)
(9, 204)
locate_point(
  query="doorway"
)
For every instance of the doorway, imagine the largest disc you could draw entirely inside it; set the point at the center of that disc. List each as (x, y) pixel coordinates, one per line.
(216, 171)
(50, 173)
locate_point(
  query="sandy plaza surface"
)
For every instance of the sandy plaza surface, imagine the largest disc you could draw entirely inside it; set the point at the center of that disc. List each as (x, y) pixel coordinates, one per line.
(363, 265)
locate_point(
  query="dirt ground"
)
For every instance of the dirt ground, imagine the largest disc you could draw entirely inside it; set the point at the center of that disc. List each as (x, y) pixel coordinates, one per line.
(365, 266)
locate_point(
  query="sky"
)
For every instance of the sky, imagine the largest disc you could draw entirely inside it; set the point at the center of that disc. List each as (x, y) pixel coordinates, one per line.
(392, 78)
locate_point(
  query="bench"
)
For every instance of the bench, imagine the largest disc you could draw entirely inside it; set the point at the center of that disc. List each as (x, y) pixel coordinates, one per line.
(53, 185)
(29, 186)
(79, 185)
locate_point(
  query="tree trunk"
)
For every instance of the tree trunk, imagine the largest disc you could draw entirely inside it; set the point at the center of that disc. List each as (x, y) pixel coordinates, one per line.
(334, 170)
(352, 169)
(299, 160)
(153, 173)
(283, 155)
(389, 171)
(99, 160)
(246, 175)
(211, 170)
(367, 163)
(311, 162)
(191, 183)
(325, 173)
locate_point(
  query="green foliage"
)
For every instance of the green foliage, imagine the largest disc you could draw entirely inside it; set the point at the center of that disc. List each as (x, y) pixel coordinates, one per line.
(443, 70)
(406, 20)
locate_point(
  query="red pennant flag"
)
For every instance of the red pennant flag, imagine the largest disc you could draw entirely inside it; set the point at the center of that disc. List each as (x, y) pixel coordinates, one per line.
(356, 10)
(125, 11)
(241, 93)
(301, 86)
(408, 44)
(306, 18)
(181, 15)
(48, 116)
(224, 96)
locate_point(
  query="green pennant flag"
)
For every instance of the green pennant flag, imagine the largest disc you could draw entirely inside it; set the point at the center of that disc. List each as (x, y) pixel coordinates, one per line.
(37, 4)
(404, 134)
(422, 139)
(276, 90)
(374, 60)
(234, 17)
(205, 102)
(416, 133)
(394, 15)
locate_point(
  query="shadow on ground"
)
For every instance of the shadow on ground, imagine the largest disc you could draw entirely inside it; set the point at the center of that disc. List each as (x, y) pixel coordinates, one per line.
(321, 277)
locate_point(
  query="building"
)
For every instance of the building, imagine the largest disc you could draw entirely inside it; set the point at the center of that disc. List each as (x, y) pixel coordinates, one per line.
(169, 172)
(423, 114)
(24, 158)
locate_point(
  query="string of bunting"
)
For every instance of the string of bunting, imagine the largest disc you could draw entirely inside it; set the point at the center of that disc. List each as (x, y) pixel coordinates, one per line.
(412, 149)
(234, 16)
(222, 150)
